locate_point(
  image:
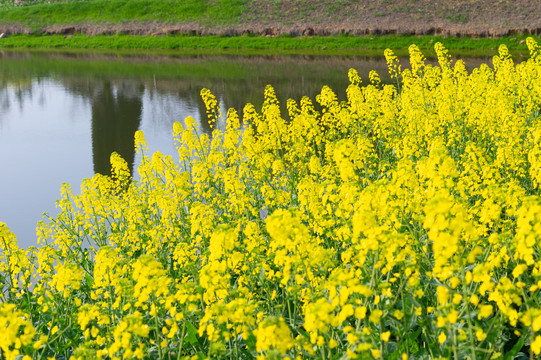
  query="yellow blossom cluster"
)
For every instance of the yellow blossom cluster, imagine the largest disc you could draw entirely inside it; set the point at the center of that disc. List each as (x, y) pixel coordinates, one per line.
(403, 222)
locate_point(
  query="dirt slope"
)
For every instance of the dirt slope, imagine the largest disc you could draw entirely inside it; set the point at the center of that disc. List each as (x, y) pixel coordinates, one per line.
(449, 17)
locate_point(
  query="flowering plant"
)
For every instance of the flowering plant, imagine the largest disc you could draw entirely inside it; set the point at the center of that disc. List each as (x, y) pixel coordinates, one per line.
(404, 223)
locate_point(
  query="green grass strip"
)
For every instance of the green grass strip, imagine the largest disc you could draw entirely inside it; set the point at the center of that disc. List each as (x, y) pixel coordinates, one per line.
(120, 11)
(241, 44)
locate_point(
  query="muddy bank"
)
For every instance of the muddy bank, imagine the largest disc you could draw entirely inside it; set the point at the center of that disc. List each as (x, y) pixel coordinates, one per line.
(157, 29)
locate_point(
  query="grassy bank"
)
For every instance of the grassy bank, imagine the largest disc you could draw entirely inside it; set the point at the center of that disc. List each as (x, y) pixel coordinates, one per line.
(259, 44)
(331, 17)
(37, 16)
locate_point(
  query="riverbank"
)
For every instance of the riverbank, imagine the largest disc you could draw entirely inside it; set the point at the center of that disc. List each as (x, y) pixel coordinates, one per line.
(281, 25)
(480, 18)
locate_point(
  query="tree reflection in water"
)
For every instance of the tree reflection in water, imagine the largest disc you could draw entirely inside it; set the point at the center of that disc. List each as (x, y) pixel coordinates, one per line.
(116, 116)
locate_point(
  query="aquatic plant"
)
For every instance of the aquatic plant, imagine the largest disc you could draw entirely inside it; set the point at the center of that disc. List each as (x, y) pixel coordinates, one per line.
(404, 223)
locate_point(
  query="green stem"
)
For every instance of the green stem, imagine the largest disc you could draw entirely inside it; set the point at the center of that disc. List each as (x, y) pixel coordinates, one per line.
(158, 345)
(182, 334)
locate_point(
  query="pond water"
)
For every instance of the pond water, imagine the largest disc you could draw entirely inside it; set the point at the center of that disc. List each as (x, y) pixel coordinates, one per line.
(61, 115)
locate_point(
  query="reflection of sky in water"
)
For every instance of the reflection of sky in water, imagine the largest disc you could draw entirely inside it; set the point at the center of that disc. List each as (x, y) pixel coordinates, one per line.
(160, 112)
(44, 141)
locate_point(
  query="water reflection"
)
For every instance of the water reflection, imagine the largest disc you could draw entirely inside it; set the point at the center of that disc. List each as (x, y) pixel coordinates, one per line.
(116, 116)
(62, 115)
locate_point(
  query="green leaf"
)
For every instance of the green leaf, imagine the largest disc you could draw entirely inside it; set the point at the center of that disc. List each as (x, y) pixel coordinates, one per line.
(251, 341)
(191, 336)
(514, 351)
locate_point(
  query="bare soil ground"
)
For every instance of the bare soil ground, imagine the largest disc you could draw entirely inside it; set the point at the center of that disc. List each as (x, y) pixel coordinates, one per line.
(476, 18)
(416, 17)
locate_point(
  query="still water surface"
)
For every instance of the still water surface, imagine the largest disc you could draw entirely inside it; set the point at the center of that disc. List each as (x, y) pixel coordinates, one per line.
(61, 115)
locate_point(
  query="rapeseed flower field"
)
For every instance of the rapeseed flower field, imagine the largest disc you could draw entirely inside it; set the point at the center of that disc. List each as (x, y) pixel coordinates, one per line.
(402, 223)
